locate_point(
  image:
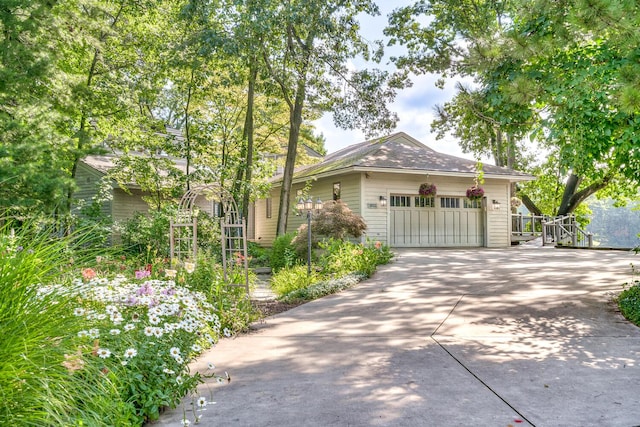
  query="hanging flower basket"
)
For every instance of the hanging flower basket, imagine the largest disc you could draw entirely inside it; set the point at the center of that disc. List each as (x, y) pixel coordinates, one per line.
(427, 190)
(475, 193)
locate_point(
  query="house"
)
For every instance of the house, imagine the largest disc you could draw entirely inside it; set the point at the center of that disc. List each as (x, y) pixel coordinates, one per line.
(379, 180)
(92, 180)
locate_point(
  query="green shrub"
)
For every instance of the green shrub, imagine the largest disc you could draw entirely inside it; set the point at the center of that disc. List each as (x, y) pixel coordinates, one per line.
(150, 232)
(629, 303)
(283, 254)
(293, 278)
(342, 257)
(335, 221)
(231, 303)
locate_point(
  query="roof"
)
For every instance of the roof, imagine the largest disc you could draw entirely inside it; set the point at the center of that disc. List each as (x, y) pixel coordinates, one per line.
(400, 152)
(103, 163)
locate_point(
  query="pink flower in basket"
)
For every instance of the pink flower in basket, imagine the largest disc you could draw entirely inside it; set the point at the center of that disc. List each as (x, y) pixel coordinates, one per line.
(427, 189)
(475, 193)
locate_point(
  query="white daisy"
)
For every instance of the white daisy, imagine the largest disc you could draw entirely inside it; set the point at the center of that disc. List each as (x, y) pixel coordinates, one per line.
(114, 331)
(211, 366)
(174, 351)
(104, 352)
(202, 402)
(79, 311)
(130, 352)
(148, 330)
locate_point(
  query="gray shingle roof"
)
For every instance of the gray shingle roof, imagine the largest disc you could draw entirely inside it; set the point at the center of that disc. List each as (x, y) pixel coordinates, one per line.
(400, 152)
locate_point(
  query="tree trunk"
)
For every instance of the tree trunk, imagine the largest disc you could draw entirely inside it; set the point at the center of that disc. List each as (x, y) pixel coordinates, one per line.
(295, 120)
(530, 205)
(584, 194)
(248, 135)
(569, 190)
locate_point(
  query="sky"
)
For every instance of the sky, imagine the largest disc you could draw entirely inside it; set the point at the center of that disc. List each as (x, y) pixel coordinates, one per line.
(414, 105)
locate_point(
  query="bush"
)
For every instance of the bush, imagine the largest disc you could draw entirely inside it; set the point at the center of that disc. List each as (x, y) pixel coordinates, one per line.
(335, 220)
(283, 254)
(150, 232)
(290, 279)
(629, 303)
(230, 303)
(343, 257)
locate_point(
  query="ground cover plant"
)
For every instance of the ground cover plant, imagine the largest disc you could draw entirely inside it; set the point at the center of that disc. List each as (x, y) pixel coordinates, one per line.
(629, 298)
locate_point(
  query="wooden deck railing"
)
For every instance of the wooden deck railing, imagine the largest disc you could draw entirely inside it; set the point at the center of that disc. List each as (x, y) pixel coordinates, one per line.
(562, 230)
(565, 231)
(527, 227)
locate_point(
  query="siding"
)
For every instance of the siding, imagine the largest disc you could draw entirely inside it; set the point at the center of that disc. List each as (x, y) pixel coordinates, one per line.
(362, 191)
(265, 228)
(383, 184)
(88, 182)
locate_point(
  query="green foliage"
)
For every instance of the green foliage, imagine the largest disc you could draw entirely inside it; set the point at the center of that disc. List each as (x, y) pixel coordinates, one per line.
(343, 257)
(335, 221)
(339, 259)
(293, 278)
(323, 288)
(629, 303)
(283, 253)
(230, 303)
(45, 379)
(149, 232)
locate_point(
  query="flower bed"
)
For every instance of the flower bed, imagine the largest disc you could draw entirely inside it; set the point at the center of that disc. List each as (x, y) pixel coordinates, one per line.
(145, 333)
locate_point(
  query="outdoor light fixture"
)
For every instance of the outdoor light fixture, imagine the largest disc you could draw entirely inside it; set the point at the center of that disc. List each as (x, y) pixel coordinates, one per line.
(496, 205)
(383, 201)
(308, 205)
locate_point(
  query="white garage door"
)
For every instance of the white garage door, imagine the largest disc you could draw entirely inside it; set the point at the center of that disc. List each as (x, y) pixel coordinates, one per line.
(435, 221)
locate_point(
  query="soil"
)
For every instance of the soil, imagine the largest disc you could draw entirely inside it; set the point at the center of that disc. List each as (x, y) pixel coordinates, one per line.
(271, 307)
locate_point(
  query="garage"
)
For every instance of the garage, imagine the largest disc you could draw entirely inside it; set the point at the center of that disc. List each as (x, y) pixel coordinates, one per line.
(440, 221)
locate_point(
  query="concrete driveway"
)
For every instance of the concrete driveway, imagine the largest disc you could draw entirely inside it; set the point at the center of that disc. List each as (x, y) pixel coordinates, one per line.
(478, 337)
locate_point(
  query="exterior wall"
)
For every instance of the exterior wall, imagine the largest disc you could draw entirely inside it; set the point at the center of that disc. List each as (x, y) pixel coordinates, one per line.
(378, 184)
(126, 205)
(88, 183)
(362, 192)
(265, 228)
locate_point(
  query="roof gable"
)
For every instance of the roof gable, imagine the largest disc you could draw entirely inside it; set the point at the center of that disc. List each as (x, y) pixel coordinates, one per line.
(398, 152)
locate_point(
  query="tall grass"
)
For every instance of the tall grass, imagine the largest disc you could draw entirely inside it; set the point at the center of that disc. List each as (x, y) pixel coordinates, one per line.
(45, 379)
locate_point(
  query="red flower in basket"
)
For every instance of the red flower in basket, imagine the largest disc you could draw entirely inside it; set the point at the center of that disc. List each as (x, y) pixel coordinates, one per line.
(427, 190)
(475, 193)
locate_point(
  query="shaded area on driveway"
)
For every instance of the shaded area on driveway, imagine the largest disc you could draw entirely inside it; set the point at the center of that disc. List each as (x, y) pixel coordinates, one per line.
(492, 337)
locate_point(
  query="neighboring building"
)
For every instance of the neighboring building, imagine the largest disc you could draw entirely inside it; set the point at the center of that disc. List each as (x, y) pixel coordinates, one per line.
(379, 180)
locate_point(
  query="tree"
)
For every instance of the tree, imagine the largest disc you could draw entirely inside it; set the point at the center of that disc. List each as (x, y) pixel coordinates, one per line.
(305, 52)
(540, 70)
(31, 179)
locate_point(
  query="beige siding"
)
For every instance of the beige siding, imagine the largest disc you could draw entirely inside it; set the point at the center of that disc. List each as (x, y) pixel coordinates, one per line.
(88, 182)
(126, 205)
(265, 228)
(383, 184)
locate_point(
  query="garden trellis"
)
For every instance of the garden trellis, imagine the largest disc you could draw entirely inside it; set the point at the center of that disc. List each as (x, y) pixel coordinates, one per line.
(183, 233)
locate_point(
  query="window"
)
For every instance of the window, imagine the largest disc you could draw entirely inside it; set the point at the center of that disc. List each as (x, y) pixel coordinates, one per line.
(401, 201)
(425, 202)
(472, 204)
(269, 207)
(450, 202)
(336, 191)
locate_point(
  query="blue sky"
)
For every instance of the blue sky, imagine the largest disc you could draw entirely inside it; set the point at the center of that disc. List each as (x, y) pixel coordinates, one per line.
(414, 105)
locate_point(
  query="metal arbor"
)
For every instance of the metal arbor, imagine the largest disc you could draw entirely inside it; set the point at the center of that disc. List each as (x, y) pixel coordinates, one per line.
(183, 232)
